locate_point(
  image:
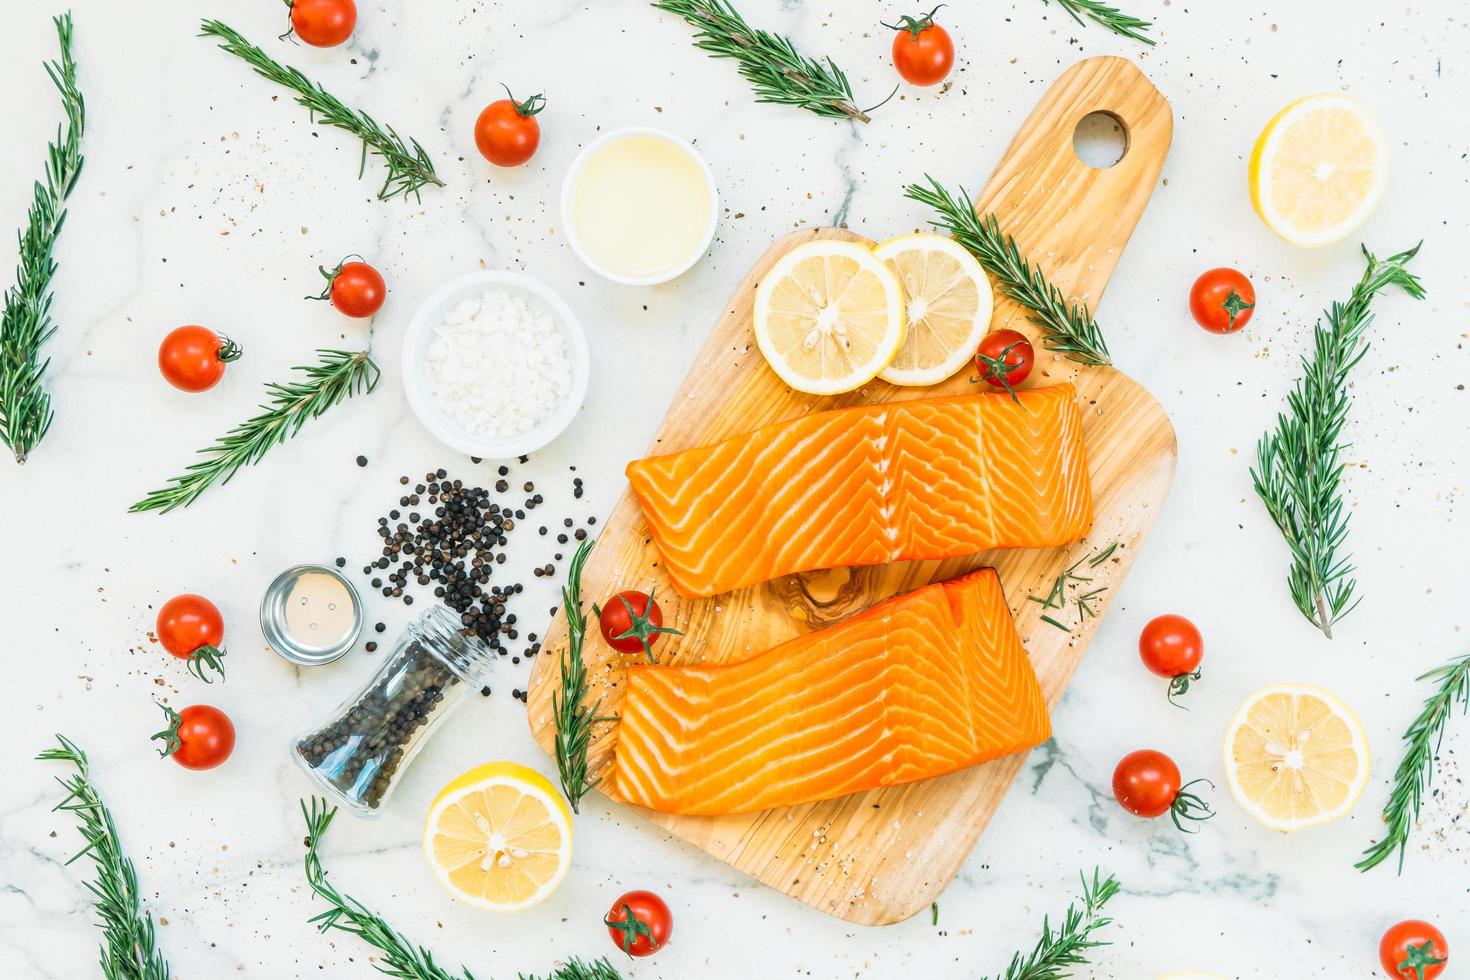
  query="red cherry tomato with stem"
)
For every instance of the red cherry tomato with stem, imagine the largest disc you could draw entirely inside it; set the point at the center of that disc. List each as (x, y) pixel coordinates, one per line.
(322, 23)
(1005, 359)
(507, 132)
(1171, 646)
(355, 288)
(923, 52)
(1222, 300)
(1413, 950)
(199, 737)
(190, 627)
(193, 358)
(639, 923)
(632, 621)
(1146, 783)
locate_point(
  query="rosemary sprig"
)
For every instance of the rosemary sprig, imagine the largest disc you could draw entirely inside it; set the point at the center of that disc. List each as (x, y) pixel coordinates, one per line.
(574, 718)
(337, 376)
(129, 950)
(1416, 769)
(1067, 328)
(576, 969)
(401, 957)
(25, 323)
(409, 167)
(1110, 17)
(775, 69)
(1068, 946)
(1299, 468)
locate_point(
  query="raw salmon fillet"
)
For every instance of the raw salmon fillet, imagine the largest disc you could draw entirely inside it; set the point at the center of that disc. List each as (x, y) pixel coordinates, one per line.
(918, 686)
(925, 479)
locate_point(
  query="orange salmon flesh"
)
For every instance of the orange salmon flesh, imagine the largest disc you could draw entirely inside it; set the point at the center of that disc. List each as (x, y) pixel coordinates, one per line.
(920, 685)
(926, 479)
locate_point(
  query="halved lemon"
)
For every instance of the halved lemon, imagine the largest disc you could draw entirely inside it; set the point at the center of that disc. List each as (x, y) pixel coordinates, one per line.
(1318, 169)
(499, 837)
(829, 316)
(1296, 757)
(948, 307)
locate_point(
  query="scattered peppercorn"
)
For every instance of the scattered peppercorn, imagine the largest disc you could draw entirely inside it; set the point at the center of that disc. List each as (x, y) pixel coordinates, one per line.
(362, 461)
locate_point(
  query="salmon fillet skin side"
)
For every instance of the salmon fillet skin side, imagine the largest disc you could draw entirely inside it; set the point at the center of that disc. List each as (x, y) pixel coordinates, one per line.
(921, 685)
(914, 480)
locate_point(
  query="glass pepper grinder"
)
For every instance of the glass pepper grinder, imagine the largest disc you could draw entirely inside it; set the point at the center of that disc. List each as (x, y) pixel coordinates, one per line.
(359, 755)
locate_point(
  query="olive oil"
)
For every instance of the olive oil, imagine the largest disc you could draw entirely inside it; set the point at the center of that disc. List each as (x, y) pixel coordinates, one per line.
(641, 206)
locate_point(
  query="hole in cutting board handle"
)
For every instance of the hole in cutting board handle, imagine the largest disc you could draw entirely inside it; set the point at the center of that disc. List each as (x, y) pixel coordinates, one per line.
(1100, 140)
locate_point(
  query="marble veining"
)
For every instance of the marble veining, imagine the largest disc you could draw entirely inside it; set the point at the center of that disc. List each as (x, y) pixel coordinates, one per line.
(207, 197)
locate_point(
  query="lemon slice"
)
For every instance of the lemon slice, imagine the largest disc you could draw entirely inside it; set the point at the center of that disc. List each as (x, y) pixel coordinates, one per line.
(829, 316)
(948, 307)
(1296, 757)
(499, 837)
(1318, 169)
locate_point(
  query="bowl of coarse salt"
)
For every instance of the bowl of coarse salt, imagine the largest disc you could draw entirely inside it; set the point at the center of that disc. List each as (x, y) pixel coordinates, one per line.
(495, 364)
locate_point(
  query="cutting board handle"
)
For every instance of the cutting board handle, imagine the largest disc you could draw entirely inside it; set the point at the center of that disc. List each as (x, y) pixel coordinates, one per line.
(1075, 219)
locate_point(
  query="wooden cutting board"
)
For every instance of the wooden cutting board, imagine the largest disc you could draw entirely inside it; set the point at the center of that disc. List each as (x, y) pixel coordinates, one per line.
(882, 856)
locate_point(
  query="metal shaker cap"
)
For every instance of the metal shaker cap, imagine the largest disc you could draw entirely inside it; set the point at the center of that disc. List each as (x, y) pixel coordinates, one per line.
(320, 636)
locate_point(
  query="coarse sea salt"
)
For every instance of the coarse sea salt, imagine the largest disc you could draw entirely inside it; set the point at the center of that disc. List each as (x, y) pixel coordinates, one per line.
(498, 365)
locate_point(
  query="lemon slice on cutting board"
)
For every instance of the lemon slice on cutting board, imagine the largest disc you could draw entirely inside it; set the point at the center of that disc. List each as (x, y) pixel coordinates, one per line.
(499, 837)
(949, 303)
(829, 316)
(1296, 757)
(1318, 169)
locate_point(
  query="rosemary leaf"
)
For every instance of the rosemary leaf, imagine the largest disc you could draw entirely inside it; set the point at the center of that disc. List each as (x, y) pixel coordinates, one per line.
(409, 167)
(337, 376)
(1069, 945)
(25, 323)
(1416, 769)
(1298, 471)
(775, 69)
(129, 949)
(1110, 17)
(1067, 328)
(574, 717)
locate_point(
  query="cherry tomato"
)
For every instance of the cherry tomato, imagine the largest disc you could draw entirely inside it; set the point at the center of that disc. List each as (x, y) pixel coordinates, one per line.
(323, 23)
(191, 628)
(922, 50)
(632, 621)
(199, 737)
(640, 923)
(1222, 300)
(193, 358)
(1005, 358)
(507, 132)
(1147, 783)
(354, 287)
(1171, 646)
(1414, 950)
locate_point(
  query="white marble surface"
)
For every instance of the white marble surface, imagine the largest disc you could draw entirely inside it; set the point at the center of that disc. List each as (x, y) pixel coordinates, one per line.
(208, 198)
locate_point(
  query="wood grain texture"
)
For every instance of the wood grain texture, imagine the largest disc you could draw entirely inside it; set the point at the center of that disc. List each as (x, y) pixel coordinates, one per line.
(882, 856)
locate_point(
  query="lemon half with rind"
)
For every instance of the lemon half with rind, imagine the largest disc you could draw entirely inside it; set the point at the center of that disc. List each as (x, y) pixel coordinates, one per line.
(1296, 757)
(1318, 169)
(499, 837)
(949, 306)
(829, 316)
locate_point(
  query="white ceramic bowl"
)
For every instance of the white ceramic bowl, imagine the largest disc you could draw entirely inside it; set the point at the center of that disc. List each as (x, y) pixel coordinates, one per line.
(415, 371)
(569, 185)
